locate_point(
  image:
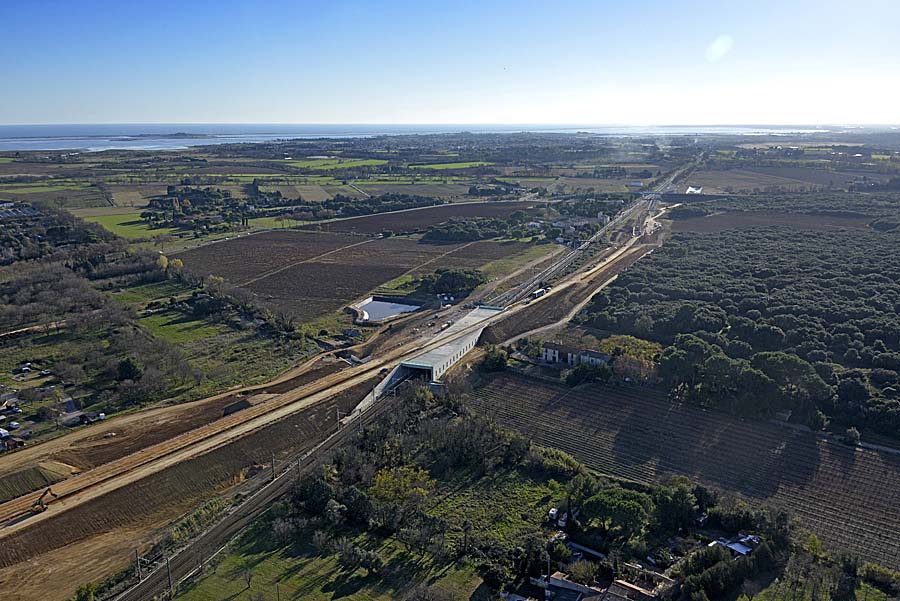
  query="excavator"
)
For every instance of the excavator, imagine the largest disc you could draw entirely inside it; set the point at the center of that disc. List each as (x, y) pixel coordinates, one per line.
(39, 505)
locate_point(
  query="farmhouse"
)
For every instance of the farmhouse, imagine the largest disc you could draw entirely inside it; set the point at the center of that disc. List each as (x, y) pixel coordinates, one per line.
(621, 589)
(557, 353)
(739, 546)
(12, 211)
(13, 442)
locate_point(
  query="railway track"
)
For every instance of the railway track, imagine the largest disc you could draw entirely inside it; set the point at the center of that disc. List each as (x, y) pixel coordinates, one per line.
(16, 514)
(194, 556)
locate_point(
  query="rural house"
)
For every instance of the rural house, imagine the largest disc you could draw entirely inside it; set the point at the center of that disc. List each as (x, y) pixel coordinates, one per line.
(740, 546)
(557, 353)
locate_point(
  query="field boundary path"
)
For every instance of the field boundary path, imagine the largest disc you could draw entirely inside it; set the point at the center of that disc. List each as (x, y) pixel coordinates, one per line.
(302, 261)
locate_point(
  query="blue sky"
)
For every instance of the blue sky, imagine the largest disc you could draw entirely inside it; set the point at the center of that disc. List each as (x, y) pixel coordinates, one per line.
(559, 62)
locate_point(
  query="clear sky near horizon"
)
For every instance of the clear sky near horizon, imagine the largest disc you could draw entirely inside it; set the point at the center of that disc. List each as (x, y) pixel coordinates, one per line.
(471, 62)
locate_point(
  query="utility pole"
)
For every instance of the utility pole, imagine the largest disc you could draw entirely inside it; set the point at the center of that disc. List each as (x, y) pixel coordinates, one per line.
(277, 593)
(169, 572)
(137, 563)
(273, 466)
(547, 582)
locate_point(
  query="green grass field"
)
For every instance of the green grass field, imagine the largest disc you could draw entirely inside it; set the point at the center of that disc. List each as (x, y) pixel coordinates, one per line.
(175, 328)
(128, 225)
(328, 164)
(504, 506)
(139, 296)
(463, 165)
(41, 189)
(403, 283)
(4, 160)
(300, 574)
(265, 223)
(501, 267)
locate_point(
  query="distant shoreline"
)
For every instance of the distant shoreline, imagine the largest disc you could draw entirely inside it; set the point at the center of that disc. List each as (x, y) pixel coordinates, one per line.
(161, 136)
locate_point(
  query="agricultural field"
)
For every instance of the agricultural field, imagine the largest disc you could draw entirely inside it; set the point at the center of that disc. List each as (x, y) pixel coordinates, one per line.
(436, 190)
(715, 181)
(136, 195)
(252, 257)
(354, 272)
(308, 192)
(285, 269)
(124, 222)
(109, 528)
(65, 194)
(328, 164)
(849, 496)
(458, 165)
(419, 219)
(751, 219)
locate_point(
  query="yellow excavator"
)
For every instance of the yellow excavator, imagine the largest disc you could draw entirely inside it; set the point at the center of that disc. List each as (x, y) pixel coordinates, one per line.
(39, 506)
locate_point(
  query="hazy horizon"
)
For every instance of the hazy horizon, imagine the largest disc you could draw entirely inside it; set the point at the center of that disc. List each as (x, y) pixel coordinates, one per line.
(174, 136)
(502, 62)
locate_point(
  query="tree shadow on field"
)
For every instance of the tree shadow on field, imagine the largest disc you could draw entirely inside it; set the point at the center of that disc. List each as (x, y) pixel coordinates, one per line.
(751, 457)
(399, 570)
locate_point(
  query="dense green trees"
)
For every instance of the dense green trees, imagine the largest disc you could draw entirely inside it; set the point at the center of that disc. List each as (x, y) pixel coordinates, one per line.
(620, 513)
(768, 319)
(495, 359)
(453, 281)
(464, 230)
(344, 206)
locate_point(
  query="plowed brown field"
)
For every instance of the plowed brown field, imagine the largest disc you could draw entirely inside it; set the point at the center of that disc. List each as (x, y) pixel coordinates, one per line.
(418, 219)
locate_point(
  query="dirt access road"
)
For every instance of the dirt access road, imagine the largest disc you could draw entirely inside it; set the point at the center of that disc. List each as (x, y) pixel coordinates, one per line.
(86, 447)
(95, 483)
(563, 302)
(15, 515)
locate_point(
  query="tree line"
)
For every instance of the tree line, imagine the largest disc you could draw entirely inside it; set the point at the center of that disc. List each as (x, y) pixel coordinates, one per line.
(765, 320)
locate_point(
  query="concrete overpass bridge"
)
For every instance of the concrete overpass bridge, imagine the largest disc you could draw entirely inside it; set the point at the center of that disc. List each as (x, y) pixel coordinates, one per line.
(460, 338)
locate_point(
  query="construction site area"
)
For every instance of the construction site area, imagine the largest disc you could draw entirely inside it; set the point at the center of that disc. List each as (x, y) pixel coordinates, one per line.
(115, 485)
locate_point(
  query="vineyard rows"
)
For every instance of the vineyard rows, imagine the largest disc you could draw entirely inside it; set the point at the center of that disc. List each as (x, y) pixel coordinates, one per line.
(849, 497)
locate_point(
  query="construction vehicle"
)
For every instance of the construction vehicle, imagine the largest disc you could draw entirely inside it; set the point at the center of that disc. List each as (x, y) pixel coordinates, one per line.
(40, 506)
